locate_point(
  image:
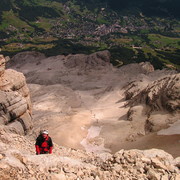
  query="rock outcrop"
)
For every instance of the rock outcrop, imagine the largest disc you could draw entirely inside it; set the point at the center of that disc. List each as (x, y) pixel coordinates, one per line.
(15, 103)
(160, 100)
(2, 64)
(160, 94)
(86, 62)
(147, 67)
(25, 58)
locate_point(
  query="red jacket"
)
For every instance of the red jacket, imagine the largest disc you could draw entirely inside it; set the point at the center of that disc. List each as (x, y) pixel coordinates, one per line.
(43, 146)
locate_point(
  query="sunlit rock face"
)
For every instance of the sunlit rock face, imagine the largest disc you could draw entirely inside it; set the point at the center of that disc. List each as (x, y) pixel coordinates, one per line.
(2, 65)
(15, 103)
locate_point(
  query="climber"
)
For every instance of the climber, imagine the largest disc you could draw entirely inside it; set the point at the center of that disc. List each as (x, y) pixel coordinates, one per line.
(44, 143)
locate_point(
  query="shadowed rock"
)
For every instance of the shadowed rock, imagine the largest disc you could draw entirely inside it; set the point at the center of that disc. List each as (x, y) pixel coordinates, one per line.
(26, 57)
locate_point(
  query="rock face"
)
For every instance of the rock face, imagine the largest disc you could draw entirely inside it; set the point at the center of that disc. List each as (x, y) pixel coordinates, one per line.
(15, 103)
(2, 65)
(26, 57)
(86, 62)
(160, 94)
(161, 101)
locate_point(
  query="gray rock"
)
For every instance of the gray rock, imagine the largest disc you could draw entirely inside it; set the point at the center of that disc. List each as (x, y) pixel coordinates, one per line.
(87, 62)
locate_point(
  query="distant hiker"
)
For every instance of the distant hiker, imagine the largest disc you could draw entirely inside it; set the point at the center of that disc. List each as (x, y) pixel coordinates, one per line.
(44, 143)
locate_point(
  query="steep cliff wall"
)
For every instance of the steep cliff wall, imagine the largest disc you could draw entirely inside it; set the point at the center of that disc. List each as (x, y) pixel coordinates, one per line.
(15, 103)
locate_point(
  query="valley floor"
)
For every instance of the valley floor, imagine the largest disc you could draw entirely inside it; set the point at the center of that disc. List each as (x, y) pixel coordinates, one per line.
(81, 100)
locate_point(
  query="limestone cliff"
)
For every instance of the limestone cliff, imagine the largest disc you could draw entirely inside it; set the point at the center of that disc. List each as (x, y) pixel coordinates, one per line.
(15, 103)
(160, 100)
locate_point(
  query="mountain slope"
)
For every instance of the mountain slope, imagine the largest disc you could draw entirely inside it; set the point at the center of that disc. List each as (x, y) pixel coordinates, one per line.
(80, 98)
(109, 107)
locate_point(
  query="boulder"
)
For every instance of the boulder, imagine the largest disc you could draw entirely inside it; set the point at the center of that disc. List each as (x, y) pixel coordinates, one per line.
(177, 162)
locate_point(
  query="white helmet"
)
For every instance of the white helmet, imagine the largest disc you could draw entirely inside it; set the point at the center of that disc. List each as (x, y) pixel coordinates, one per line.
(45, 132)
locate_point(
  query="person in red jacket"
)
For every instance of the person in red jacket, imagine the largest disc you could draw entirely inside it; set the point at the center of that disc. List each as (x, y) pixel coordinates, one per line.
(44, 143)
